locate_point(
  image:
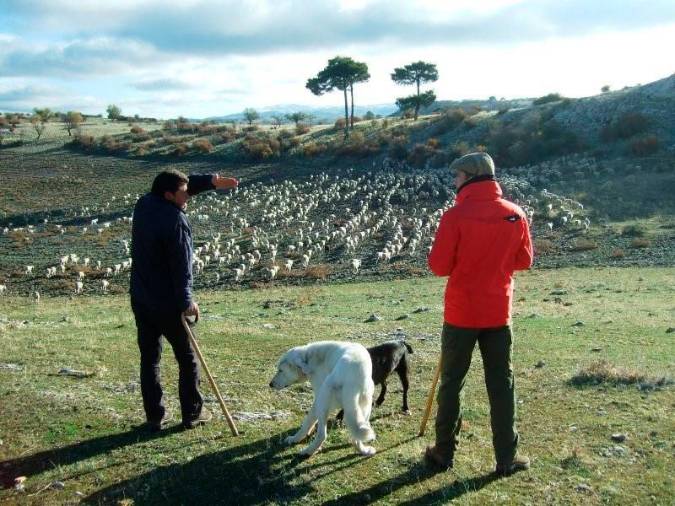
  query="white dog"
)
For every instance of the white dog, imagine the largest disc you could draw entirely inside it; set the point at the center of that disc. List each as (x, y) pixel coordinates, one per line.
(341, 377)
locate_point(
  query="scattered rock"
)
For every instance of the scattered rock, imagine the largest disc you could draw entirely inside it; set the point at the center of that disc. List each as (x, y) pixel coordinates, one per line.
(67, 371)
(252, 416)
(58, 485)
(11, 367)
(578, 323)
(584, 488)
(373, 318)
(596, 349)
(79, 494)
(670, 330)
(268, 326)
(421, 309)
(534, 315)
(19, 483)
(540, 364)
(559, 292)
(618, 437)
(65, 319)
(403, 317)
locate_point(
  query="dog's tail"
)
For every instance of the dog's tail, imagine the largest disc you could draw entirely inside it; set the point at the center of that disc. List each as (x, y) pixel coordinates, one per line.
(357, 407)
(408, 347)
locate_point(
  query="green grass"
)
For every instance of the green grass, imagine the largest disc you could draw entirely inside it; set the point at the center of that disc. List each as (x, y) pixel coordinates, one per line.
(82, 432)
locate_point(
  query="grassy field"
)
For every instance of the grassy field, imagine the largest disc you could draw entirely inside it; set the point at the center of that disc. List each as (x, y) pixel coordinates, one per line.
(78, 439)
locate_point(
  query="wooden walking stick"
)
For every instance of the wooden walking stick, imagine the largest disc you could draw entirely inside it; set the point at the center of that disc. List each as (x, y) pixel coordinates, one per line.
(430, 399)
(195, 346)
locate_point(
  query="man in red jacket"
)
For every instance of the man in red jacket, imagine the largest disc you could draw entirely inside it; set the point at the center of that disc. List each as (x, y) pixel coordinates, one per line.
(480, 242)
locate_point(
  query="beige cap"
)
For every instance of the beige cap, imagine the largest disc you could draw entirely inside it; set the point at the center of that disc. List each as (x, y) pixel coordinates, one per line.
(474, 164)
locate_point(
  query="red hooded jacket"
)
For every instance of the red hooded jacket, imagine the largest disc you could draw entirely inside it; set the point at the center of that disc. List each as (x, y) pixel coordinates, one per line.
(479, 243)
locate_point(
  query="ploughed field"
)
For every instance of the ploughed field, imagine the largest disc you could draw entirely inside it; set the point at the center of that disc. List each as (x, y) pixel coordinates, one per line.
(592, 359)
(66, 223)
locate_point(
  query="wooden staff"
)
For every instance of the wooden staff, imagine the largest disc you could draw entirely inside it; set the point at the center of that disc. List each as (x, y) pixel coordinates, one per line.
(430, 398)
(193, 342)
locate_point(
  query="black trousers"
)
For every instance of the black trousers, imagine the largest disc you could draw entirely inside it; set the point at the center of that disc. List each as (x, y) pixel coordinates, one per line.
(151, 327)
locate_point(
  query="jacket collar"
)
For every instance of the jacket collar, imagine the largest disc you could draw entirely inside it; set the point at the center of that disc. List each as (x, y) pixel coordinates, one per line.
(479, 188)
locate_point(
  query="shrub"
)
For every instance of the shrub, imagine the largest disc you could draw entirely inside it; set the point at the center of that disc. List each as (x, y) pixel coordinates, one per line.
(301, 129)
(419, 154)
(180, 149)
(202, 145)
(320, 271)
(644, 146)
(398, 148)
(260, 147)
(84, 141)
(356, 145)
(433, 143)
(551, 97)
(633, 231)
(640, 242)
(543, 246)
(340, 124)
(617, 253)
(312, 149)
(584, 245)
(137, 130)
(625, 126)
(449, 120)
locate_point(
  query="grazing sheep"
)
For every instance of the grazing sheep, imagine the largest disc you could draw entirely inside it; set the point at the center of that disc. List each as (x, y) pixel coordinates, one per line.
(104, 285)
(79, 286)
(356, 264)
(29, 269)
(3, 289)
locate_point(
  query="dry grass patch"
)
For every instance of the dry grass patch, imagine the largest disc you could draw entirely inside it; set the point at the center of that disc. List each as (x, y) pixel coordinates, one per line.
(543, 246)
(584, 245)
(603, 372)
(640, 242)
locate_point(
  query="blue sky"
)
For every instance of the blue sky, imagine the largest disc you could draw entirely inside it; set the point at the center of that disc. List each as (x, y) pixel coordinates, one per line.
(201, 58)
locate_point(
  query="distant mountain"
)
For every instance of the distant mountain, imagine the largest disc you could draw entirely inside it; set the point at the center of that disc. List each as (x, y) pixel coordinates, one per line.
(320, 114)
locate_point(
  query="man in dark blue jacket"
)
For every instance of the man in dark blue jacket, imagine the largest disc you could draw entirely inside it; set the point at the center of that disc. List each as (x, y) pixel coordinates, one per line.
(161, 289)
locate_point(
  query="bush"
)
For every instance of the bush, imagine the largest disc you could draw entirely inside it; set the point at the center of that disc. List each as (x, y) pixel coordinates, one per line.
(617, 253)
(340, 124)
(137, 130)
(543, 246)
(624, 127)
(312, 149)
(357, 146)
(180, 149)
(301, 129)
(644, 146)
(551, 97)
(398, 148)
(202, 145)
(86, 142)
(449, 120)
(640, 242)
(633, 231)
(260, 147)
(584, 245)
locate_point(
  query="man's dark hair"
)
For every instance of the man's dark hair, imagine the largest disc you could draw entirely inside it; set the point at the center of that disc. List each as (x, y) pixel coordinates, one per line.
(168, 181)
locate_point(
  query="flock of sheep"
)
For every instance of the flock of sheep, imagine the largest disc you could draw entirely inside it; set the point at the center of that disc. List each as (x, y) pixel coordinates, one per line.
(344, 224)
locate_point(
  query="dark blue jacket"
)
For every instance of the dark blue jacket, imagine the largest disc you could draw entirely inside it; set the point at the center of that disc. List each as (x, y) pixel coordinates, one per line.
(161, 252)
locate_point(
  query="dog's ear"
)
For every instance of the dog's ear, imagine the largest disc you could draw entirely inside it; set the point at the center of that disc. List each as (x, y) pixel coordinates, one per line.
(300, 361)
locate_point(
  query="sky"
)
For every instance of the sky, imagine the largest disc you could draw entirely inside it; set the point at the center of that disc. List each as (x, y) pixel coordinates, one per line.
(201, 58)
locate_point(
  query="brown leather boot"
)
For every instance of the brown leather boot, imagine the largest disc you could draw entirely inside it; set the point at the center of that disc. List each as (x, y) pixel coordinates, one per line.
(437, 459)
(519, 463)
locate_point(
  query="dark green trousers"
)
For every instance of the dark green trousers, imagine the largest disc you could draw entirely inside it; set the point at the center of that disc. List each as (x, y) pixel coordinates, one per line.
(456, 350)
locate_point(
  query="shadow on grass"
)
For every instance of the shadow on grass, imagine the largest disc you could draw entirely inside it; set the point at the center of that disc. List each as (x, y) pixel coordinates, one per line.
(253, 473)
(413, 476)
(259, 472)
(36, 463)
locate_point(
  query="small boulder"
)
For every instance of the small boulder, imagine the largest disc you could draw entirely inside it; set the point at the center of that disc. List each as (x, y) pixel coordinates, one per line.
(373, 318)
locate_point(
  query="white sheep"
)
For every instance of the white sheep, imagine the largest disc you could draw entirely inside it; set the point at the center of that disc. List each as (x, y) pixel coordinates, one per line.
(79, 286)
(104, 285)
(356, 264)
